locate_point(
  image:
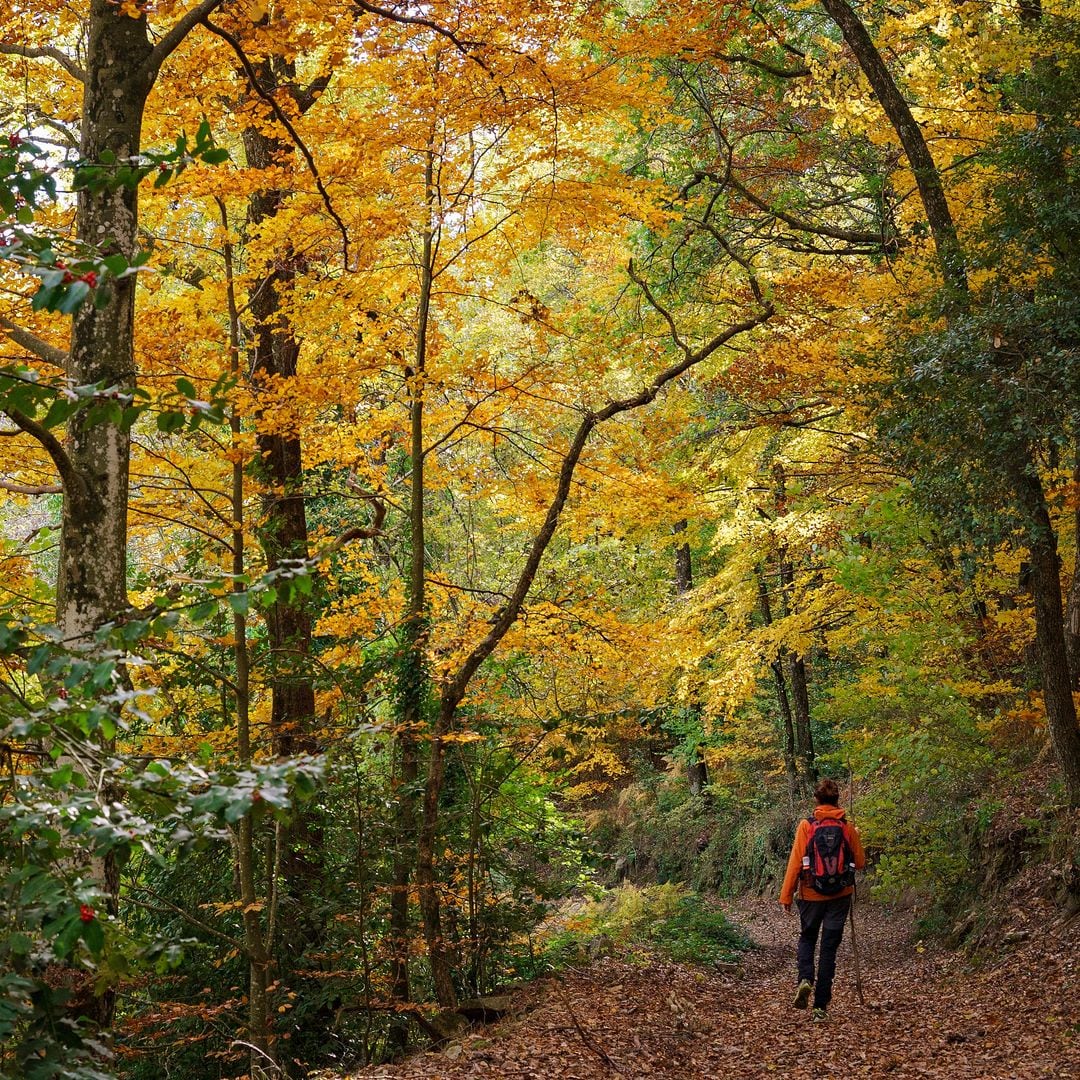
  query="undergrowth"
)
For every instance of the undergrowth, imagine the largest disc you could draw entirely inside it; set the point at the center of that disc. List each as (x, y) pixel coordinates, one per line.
(635, 922)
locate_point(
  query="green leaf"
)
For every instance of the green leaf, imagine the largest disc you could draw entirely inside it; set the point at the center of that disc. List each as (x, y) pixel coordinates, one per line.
(43, 299)
(216, 156)
(94, 936)
(236, 810)
(65, 940)
(206, 610)
(61, 777)
(170, 421)
(19, 944)
(240, 602)
(73, 297)
(186, 387)
(115, 264)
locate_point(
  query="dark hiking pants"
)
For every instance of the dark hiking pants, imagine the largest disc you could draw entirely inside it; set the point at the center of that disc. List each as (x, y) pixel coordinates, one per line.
(824, 917)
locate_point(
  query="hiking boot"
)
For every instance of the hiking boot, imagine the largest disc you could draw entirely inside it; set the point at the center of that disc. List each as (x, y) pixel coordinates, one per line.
(802, 995)
(819, 1016)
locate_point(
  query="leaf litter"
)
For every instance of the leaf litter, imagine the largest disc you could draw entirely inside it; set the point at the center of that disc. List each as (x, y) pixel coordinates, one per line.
(929, 1012)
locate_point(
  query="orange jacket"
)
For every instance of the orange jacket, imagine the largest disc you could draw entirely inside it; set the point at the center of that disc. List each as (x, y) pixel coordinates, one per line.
(798, 850)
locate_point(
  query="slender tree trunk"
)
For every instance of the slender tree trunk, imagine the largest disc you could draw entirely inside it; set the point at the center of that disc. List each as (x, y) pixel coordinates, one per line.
(684, 574)
(907, 129)
(697, 770)
(413, 678)
(804, 736)
(794, 662)
(786, 719)
(427, 886)
(257, 943)
(405, 817)
(1072, 607)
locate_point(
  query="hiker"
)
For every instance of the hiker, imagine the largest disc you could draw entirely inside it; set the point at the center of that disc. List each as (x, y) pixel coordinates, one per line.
(826, 853)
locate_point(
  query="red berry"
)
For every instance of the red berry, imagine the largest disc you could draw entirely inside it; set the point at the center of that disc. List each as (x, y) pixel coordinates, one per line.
(86, 913)
(14, 140)
(90, 278)
(68, 278)
(60, 264)
(256, 796)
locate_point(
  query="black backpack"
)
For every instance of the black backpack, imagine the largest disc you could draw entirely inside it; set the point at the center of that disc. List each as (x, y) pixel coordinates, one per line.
(832, 862)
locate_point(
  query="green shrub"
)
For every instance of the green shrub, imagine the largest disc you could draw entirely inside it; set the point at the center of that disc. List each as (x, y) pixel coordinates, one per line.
(668, 918)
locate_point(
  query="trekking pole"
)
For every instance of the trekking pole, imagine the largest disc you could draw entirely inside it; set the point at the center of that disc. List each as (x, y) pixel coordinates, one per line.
(854, 890)
(855, 950)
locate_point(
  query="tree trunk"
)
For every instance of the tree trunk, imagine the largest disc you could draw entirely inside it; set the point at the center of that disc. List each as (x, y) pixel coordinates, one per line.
(1072, 607)
(697, 770)
(416, 638)
(1020, 466)
(91, 587)
(257, 942)
(907, 129)
(1045, 584)
(413, 678)
(283, 531)
(697, 775)
(426, 883)
(794, 662)
(804, 737)
(786, 719)
(684, 576)
(92, 582)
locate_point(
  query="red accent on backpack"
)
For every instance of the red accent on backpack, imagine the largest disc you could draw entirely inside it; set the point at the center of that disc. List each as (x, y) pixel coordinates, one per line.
(832, 859)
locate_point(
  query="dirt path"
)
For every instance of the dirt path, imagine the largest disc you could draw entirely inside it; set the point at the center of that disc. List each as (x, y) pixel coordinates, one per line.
(927, 1013)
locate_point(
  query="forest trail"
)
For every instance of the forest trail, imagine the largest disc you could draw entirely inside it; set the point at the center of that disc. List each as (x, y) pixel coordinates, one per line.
(928, 1013)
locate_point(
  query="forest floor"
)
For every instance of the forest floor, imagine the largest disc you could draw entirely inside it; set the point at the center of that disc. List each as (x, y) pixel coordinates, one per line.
(928, 1013)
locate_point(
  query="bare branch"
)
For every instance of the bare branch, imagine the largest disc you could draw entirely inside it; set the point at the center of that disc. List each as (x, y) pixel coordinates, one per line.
(27, 489)
(286, 123)
(849, 236)
(32, 343)
(186, 915)
(69, 475)
(466, 48)
(45, 52)
(798, 72)
(657, 307)
(171, 41)
(359, 532)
